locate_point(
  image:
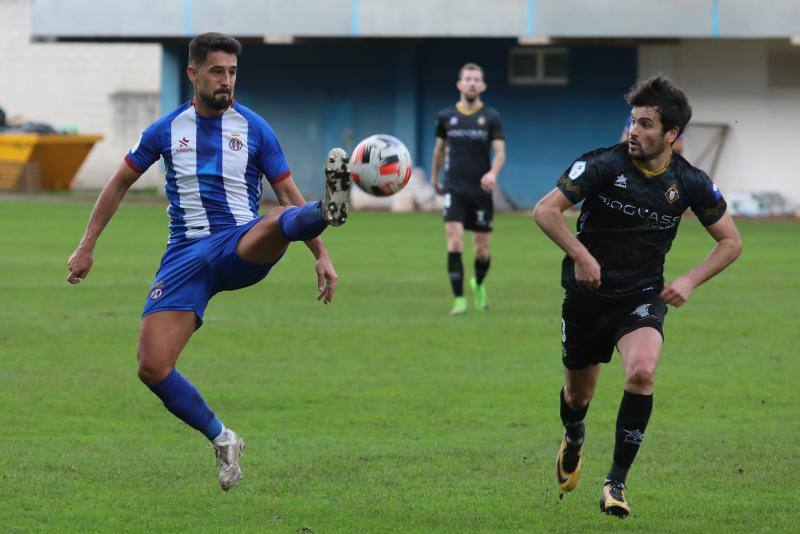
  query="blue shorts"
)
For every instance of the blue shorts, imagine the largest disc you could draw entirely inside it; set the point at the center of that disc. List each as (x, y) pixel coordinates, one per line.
(191, 272)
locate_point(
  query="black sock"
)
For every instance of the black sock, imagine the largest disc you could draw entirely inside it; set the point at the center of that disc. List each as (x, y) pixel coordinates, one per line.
(634, 413)
(481, 268)
(456, 271)
(573, 421)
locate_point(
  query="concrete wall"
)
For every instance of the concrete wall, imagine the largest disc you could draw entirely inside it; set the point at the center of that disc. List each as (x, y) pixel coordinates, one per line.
(729, 82)
(106, 89)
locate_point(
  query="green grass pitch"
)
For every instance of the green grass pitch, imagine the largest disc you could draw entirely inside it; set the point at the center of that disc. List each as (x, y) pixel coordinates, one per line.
(380, 412)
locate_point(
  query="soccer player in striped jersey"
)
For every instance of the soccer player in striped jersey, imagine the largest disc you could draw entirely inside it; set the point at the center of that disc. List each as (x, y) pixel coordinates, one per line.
(215, 151)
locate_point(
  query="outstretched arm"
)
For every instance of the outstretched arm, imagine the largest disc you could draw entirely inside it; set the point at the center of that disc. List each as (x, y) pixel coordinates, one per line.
(727, 249)
(548, 214)
(80, 262)
(289, 195)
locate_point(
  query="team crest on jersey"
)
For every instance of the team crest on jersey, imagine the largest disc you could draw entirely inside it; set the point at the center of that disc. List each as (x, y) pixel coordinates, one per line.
(672, 193)
(481, 120)
(157, 291)
(235, 143)
(622, 182)
(183, 145)
(577, 169)
(453, 120)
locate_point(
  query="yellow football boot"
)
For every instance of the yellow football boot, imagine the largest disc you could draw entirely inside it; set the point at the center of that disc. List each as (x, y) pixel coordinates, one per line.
(612, 501)
(568, 465)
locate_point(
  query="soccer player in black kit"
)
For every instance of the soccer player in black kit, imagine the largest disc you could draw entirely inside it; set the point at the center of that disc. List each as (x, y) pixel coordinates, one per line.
(467, 134)
(633, 195)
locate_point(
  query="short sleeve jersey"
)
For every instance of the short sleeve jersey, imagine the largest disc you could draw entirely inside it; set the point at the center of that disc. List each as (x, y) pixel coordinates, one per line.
(213, 167)
(628, 220)
(468, 143)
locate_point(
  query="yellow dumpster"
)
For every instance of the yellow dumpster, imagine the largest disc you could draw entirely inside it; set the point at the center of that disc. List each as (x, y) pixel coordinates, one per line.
(41, 161)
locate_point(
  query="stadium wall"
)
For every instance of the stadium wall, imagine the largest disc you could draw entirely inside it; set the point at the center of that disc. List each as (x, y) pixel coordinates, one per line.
(99, 88)
(753, 87)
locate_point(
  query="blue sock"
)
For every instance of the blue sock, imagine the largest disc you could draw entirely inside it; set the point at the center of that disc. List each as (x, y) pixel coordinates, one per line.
(302, 223)
(184, 401)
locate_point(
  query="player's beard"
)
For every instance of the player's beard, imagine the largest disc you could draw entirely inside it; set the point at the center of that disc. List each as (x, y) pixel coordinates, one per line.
(216, 100)
(642, 154)
(471, 98)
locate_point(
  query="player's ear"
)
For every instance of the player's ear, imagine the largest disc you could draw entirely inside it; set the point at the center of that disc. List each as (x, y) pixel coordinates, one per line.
(191, 72)
(671, 135)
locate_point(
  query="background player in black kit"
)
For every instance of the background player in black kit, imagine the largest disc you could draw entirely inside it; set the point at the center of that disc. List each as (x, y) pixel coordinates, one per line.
(633, 196)
(467, 134)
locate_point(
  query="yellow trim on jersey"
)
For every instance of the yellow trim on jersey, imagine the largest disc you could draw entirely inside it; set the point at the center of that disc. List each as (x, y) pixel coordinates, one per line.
(648, 172)
(473, 111)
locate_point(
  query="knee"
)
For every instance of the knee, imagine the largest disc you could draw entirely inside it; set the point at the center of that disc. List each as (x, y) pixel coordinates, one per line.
(454, 242)
(578, 400)
(271, 222)
(275, 214)
(151, 373)
(267, 227)
(640, 379)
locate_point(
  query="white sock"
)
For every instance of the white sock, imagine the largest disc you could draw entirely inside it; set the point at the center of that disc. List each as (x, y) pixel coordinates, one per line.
(222, 437)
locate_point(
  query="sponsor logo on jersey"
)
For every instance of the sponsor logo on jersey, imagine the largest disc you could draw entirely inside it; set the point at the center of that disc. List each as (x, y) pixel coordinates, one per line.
(621, 182)
(453, 120)
(577, 169)
(183, 145)
(672, 193)
(472, 133)
(650, 217)
(235, 143)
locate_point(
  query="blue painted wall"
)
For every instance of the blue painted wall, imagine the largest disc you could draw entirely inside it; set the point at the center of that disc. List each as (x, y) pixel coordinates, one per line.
(319, 95)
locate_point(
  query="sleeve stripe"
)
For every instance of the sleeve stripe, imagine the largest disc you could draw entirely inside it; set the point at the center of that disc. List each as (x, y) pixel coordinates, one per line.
(132, 165)
(281, 178)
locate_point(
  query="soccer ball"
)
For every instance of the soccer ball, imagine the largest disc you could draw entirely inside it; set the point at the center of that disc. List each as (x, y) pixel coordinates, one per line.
(381, 165)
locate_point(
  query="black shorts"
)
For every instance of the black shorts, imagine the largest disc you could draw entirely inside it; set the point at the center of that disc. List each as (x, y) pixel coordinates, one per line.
(475, 212)
(591, 325)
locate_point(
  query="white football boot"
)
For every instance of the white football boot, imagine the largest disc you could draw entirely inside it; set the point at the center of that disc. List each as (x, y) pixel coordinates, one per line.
(228, 453)
(337, 187)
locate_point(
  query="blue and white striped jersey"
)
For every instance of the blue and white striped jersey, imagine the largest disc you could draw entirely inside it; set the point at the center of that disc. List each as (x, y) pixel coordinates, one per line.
(214, 167)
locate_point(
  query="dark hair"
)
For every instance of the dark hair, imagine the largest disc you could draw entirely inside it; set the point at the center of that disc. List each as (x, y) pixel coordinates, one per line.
(667, 98)
(212, 42)
(469, 66)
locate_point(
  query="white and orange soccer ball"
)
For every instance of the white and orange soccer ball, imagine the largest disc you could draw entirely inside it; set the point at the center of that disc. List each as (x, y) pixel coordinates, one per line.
(381, 165)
